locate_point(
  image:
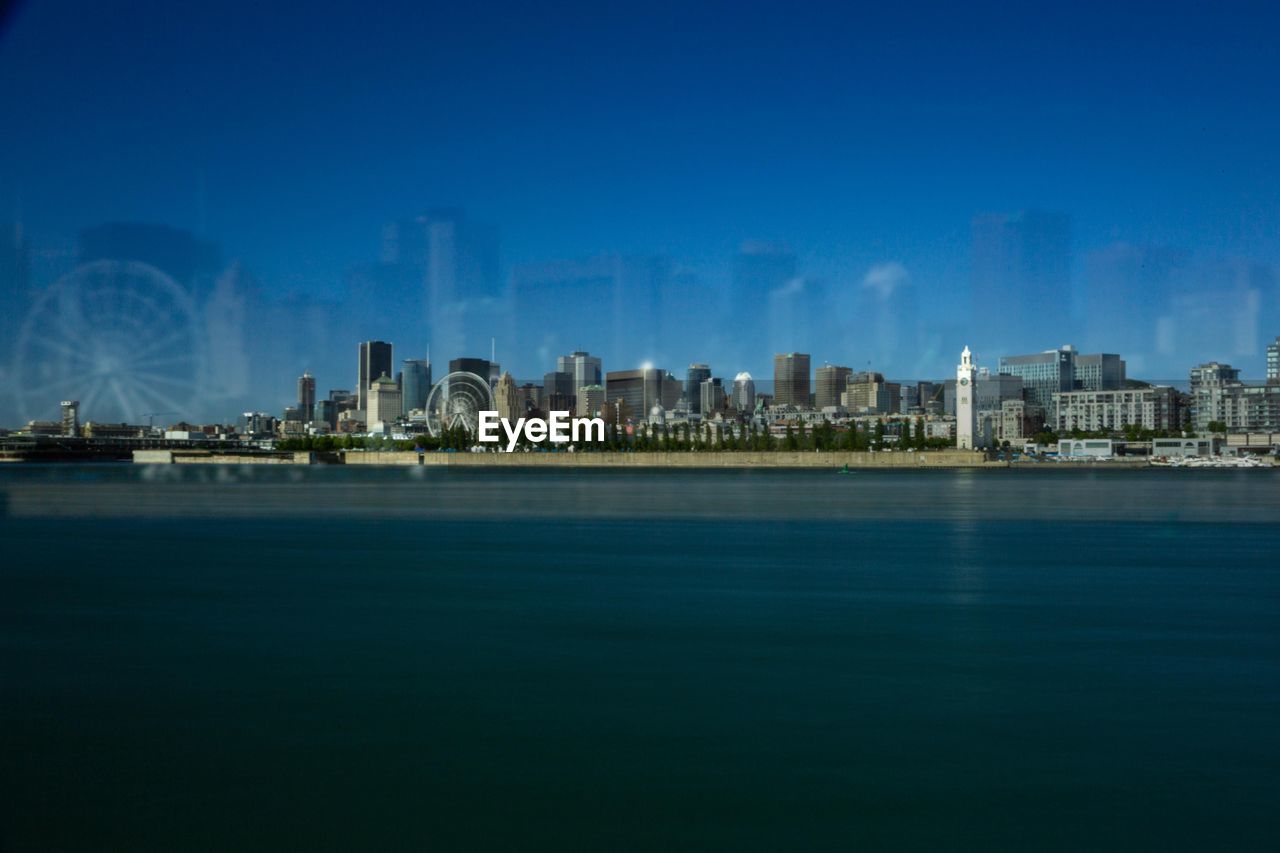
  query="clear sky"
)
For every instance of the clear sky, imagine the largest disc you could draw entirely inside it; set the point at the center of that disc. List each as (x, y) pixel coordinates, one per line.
(857, 134)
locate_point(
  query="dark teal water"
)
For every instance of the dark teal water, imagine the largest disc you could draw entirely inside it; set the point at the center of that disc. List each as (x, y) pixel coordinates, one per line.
(329, 659)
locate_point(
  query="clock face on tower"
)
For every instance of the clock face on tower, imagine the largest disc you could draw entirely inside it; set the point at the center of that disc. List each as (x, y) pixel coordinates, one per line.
(964, 381)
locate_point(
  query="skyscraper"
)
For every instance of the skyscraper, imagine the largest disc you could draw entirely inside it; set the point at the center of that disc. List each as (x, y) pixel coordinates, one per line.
(507, 399)
(830, 382)
(744, 393)
(1273, 361)
(712, 397)
(481, 367)
(71, 417)
(416, 385)
(384, 404)
(307, 396)
(375, 360)
(694, 377)
(584, 368)
(791, 380)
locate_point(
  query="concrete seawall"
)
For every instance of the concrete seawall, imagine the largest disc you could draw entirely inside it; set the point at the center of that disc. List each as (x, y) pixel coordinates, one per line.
(208, 457)
(728, 459)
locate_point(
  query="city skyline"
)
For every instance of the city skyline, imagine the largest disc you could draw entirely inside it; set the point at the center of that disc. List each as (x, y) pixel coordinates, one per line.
(959, 177)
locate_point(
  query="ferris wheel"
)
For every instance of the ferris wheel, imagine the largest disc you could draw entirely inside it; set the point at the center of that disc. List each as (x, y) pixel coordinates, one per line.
(120, 336)
(457, 401)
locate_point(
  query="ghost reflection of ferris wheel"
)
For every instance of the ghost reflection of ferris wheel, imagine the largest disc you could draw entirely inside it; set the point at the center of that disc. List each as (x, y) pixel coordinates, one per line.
(120, 336)
(457, 401)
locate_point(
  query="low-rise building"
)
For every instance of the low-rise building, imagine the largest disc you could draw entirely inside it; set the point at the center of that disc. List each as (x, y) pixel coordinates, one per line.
(1086, 448)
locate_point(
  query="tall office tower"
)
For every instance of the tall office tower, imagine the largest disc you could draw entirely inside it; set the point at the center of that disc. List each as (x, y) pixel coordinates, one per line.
(966, 410)
(71, 417)
(307, 396)
(481, 367)
(867, 394)
(1043, 374)
(744, 393)
(712, 397)
(1273, 361)
(830, 382)
(384, 404)
(642, 389)
(416, 384)
(507, 398)
(375, 360)
(1098, 372)
(557, 391)
(694, 377)
(791, 380)
(759, 269)
(583, 367)
(1021, 277)
(590, 400)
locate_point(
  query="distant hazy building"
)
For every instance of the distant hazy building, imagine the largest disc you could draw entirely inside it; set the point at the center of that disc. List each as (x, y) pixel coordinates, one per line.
(1021, 267)
(744, 393)
(375, 361)
(415, 386)
(590, 400)
(759, 271)
(71, 417)
(453, 264)
(307, 396)
(830, 383)
(694, 377)
(966, 405)
(507, 399)
(384, 403)
(1155, 408)
(584, 368)
(791, 380)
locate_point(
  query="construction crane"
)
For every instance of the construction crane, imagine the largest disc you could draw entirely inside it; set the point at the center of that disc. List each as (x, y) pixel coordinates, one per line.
(151, 418)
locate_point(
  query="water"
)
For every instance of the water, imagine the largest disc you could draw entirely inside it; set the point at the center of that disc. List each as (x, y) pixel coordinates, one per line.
(330, 659)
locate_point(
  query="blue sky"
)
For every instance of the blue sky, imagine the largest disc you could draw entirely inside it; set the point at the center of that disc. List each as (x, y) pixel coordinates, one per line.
(856, 134)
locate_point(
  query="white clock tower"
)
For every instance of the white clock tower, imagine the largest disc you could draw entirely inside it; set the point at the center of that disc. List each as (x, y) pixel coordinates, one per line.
(966, 416)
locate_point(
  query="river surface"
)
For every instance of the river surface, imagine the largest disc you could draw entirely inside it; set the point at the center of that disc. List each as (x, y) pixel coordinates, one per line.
(260, 658)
